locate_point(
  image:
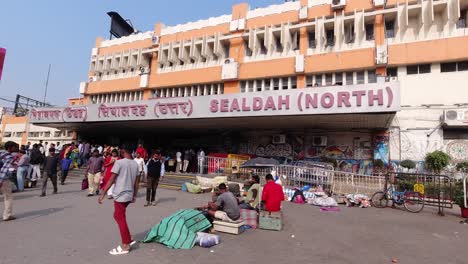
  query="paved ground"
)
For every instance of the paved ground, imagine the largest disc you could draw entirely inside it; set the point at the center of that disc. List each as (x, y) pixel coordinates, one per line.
(71, 228)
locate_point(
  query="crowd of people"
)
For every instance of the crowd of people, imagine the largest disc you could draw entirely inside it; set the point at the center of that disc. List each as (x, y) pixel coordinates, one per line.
(115, 173)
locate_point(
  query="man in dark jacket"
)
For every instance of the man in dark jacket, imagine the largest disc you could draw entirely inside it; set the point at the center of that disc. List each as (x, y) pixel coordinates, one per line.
(51, 165)
(36, 160)
(155, 172)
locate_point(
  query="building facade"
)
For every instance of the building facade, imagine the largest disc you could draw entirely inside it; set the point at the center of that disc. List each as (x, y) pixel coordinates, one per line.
(349, 80)
(21, 131)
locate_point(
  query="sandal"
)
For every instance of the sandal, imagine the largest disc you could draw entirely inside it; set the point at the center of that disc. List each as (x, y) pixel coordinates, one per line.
(118, 251)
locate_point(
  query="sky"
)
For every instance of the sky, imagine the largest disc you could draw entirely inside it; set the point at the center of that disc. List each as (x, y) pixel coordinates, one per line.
(63, 32)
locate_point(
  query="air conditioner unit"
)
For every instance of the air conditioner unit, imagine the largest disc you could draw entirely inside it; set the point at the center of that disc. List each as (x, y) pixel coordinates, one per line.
(319, 141)
(303, 12)
(379, 3)
(279, 139)
(455, 118)
(230, 69)
(155, 40)
(338, 4)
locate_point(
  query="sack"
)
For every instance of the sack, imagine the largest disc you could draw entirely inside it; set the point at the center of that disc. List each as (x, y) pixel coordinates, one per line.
(192, 188)
(205, 240)
(84, 184)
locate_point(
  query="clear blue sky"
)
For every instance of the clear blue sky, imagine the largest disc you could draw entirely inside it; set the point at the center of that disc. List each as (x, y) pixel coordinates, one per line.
(63, 32)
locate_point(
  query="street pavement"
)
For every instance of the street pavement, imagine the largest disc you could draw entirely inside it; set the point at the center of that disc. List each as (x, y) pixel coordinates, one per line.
(70, 228)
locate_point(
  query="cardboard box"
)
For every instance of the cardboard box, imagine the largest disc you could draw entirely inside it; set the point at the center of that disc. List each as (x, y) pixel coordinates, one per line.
(228, 227)
(271, 220)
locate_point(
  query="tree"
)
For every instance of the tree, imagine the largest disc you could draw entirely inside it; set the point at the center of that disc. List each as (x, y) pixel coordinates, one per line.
(436, 161)
(408, 164)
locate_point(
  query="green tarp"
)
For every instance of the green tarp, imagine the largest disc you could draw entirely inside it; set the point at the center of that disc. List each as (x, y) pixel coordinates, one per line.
(179, 231)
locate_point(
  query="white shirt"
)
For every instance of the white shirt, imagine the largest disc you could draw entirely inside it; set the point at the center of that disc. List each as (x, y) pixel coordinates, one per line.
(179, 156)
(100, 149)
(141, 164)
(80, 148)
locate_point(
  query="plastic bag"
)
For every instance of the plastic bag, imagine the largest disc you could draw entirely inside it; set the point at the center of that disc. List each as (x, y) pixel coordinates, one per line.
(205, 240)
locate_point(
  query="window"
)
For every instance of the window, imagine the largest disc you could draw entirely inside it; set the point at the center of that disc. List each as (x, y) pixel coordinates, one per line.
(448, 67)
(392, 72)
(276, 84)
(267, 84)
(328, 79)
(369, 31)
(243, 86)
(284, 83)
(263, 49)
(18, 134)
(349, 33)
(339, 78)
(312, 41)
(7, 134)
(463, 66)
(47, 134)
(57, 133)
(279, 46)
(226, 48)
(248, 51)
(360, 77)
(69, 133)
(259, 85)
(412, 69)
(371, 76)
(293, 83)
(309, 81)
(250, 84)
(461, 23)
(318, 80)
(349, 78)
(330, 38)
(424, 68)
(390, 29)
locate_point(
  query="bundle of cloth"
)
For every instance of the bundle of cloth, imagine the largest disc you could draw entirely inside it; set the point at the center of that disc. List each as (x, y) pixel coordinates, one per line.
(179, 231)
(360, 200)
(323, 201)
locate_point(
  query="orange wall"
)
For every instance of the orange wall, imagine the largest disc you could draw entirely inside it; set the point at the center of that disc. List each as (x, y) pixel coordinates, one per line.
(76, 101)
(179, 78)
(428, 51)
(147, 43)
(109, 86)
(269, 68)
(11, 119)
(348, 60)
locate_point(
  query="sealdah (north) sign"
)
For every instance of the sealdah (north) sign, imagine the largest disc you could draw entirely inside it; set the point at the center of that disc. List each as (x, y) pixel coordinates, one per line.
(369, 98)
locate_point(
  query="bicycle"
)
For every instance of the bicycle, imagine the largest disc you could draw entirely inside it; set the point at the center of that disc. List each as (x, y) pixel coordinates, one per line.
(412, 201)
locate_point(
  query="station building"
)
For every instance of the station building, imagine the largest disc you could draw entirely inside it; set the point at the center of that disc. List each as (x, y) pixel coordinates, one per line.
(349, 80)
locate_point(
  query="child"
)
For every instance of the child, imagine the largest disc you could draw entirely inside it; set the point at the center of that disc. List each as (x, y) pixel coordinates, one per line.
(66, 162)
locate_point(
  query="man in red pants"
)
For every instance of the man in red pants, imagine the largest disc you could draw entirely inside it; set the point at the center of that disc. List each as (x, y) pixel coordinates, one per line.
(125, 179)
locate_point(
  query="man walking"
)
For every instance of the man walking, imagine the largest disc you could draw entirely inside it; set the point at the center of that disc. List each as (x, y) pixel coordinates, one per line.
(7, 157)
(155, 172)
(52, 162)
(85, 154)
(93, 172)
(125, 179)
(23, 168)
(36, 160)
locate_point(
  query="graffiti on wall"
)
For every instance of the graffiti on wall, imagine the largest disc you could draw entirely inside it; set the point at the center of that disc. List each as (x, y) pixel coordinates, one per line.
(458, 150)
(270, 150)
(381, 147)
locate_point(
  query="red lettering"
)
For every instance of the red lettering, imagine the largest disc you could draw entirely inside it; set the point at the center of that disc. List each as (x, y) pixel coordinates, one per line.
(245, 107)
(214, 106)
(270, 104)
(235, 105)
(373, 97)
(327, 100)
(343, 98)
(359, 95)
(311, 101)
(282, 102)
(257, 103)
(224, 105)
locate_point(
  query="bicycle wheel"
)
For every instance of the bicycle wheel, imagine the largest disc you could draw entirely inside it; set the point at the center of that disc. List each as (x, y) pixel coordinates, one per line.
(413, 202)
(379, 200)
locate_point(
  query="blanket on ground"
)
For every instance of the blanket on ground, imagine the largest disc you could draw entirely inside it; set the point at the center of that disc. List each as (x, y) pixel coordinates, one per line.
(179, 231)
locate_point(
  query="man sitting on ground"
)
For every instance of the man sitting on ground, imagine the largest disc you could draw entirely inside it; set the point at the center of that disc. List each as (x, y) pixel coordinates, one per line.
(226, 207)
(272, 195)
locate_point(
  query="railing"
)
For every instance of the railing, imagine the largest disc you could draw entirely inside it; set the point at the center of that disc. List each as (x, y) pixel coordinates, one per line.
(352, 183)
